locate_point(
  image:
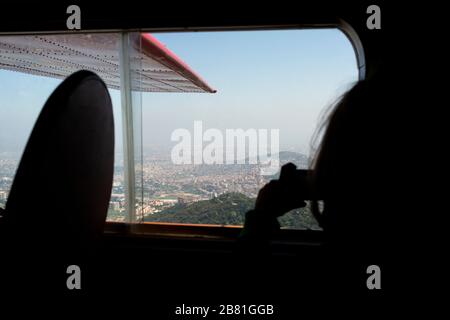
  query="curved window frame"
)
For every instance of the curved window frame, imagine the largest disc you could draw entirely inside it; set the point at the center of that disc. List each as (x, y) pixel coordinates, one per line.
(194, 230)
(215, 232)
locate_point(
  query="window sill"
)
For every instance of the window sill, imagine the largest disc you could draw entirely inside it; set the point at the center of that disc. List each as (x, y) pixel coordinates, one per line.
(205, 232)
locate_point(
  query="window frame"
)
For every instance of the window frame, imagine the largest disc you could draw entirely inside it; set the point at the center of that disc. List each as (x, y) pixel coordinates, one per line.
(209, 231)
(181, 230)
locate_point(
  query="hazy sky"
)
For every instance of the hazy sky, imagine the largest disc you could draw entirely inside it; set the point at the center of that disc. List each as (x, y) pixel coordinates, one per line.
(264, 80)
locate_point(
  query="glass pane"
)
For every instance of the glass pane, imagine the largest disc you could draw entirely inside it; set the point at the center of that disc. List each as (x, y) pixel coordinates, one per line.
(22, 98)
(116, 211)
(136, 58)
(126, 200)
(273, 85)
(31, 67)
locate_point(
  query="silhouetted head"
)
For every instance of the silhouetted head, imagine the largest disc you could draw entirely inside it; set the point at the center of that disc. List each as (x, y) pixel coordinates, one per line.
(352, 165)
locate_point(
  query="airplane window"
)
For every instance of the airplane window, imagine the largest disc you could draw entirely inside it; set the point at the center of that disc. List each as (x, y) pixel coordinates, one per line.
(272, 88)
(19, 109)
(23, 92)
(210, 128)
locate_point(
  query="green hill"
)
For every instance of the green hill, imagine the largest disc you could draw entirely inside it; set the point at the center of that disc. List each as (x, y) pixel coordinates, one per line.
(227, 209)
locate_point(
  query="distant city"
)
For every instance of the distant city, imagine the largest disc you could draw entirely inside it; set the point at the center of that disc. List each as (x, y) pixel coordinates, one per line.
(165, 184)
(8, 166)
(162, 185)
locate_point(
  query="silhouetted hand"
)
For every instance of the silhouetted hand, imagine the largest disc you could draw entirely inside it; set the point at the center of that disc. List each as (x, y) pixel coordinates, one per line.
(280, 196)
(274, 199)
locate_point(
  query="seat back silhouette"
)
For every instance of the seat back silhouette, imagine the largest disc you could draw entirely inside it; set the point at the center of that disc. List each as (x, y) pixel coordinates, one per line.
(61, 190)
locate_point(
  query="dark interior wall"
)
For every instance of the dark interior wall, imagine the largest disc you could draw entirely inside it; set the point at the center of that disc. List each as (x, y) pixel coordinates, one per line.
(16, 16)
(39, 17)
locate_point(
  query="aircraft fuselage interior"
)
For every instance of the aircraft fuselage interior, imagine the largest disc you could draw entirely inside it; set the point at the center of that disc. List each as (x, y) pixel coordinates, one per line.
(199, 161)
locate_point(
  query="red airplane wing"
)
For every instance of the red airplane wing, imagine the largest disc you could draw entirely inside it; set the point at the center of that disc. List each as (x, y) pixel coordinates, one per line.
(154, 67)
